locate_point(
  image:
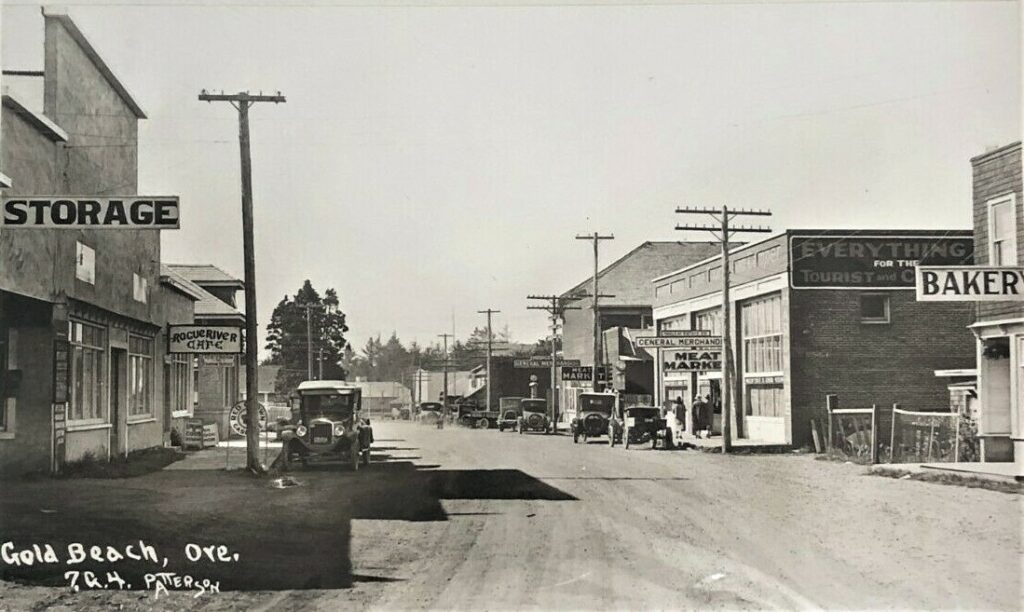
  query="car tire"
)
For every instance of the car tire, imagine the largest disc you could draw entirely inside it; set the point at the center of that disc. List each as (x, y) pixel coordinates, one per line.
(654, 441)
(501, 427)
(483, 423)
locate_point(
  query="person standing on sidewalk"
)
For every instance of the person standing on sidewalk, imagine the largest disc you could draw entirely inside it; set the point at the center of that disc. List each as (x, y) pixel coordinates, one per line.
(697, 415)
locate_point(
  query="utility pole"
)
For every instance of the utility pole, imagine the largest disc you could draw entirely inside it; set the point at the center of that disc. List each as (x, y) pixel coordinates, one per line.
(596, 238)
(320, 361)
(309, 343)
(490, 345)
(557, 311)
(444, 402)
(242, 101)
(723, 217)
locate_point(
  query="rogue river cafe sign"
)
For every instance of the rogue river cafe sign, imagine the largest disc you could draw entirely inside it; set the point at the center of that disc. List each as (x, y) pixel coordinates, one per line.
(970, 284)
(108, 212)
(204, 339)
(860, 261)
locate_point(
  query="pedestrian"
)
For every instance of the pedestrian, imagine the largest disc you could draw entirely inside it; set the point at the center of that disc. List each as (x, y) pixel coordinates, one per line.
(696, 415)
(680, 410)
(707, 414)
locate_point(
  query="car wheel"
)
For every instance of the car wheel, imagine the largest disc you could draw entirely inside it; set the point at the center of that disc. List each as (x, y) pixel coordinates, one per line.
(625, 437)
(353, 455)
(654, 441)
(484, 423)
(501, 427)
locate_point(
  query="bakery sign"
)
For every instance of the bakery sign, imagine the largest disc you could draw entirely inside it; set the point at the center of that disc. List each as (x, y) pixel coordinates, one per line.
(853, 260)
(970, 284)
(204, 339)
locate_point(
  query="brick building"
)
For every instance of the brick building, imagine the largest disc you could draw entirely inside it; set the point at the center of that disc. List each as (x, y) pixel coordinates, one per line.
(628, 279)
(999, 241)
(84, 368)
(819, 312)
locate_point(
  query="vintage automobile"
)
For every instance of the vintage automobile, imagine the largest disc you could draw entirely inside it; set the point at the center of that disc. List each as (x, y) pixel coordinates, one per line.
(430, 413)
(534, 415)
(594, 412)
(641, 424)
(509, 420)
(329, 426)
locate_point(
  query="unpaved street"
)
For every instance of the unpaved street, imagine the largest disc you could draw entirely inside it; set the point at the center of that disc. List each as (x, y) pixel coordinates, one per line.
(468, 519)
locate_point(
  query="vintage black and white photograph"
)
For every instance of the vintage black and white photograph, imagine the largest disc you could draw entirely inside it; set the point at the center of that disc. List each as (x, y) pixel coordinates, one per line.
(511, 305)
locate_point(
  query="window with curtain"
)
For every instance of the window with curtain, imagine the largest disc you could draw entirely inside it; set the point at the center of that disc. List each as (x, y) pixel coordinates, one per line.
(140, 376)
(88, 363)
(710, 319)
(762, 335)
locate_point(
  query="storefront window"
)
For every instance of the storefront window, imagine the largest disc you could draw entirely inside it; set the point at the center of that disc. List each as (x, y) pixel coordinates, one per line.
(140, 375)
(765, 400)
(710, 320)
(88, 363)
(180, 376)
(762, 335)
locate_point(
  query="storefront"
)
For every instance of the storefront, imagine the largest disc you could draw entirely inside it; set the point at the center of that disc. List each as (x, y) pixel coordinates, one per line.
(812, 315)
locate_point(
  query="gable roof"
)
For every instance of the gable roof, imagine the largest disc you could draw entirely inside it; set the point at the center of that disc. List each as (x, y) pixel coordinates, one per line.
(628, 278)
(65, 20)
(174, 280)
(207, 274)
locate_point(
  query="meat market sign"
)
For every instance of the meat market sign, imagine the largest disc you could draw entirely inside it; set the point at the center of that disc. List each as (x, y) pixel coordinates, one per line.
(969, 284)
(858, 261)
(115, 212)
(204, 339)
(685, 361)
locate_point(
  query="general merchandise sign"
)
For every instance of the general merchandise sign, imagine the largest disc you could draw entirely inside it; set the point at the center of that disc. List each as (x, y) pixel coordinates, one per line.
(693, 342)
(204, 339)
(857, 261)
(970, 284)
(543, 363)
(74, 212)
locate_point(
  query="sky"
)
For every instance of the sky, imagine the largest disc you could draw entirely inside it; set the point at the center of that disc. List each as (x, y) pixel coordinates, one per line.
(431, 162)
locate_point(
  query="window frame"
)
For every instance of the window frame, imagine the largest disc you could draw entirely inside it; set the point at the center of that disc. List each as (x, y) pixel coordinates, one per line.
(182, 404)
(143, 361)
(767, 340)
(101, 366)
(887, 304)
(1011, 240)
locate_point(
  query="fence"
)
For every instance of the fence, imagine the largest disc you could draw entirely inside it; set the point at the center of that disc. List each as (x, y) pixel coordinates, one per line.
(924, 437)
(897, 435)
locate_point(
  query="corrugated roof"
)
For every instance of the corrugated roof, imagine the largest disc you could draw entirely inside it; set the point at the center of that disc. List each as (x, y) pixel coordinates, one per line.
(206, 274)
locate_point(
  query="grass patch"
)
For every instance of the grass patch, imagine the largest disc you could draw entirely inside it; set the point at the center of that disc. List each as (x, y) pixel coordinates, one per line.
(137, 463)
(946, 478)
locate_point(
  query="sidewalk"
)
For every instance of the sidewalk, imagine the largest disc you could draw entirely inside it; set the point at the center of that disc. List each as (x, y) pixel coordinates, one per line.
(999, 472)
(228, 454)
(737, 443)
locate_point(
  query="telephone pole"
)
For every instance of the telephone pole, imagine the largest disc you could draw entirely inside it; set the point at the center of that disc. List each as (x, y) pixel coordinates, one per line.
(309, 343)
(242, 101)
(723, 216)
(596, 238)
(444, 401)
(320, 361)
(490, 345)
(557, 311)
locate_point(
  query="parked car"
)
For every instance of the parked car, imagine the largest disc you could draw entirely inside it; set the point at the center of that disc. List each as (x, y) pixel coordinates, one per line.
(329, 426)
(593, 414)
(509, 420)
(534, 415)
(639, 425)
(430, 413)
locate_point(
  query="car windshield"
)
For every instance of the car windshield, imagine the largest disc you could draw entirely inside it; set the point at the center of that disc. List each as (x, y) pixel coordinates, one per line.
(597, 403)
(643, 413)
(328, 406)
(535, 405)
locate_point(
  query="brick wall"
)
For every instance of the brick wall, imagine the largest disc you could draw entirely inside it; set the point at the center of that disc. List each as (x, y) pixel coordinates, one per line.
(833, 352)
(996, 174)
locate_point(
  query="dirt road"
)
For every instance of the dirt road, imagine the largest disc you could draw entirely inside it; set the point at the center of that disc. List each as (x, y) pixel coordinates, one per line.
(465, 519)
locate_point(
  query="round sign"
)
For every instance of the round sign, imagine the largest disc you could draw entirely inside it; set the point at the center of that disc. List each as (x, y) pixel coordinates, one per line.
(237, 418)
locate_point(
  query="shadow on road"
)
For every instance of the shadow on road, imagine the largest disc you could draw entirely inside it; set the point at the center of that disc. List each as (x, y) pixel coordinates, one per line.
(286, 538)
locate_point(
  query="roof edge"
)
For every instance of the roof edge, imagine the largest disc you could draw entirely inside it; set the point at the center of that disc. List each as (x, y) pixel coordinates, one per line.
(43, 124)
(996, 152)
(72, 28)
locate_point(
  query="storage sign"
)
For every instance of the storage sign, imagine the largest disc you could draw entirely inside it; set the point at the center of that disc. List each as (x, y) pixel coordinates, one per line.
(676, 361)
(204, 339)
(857, 261)
(692, 342)
(969, 284)
(117, 212)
